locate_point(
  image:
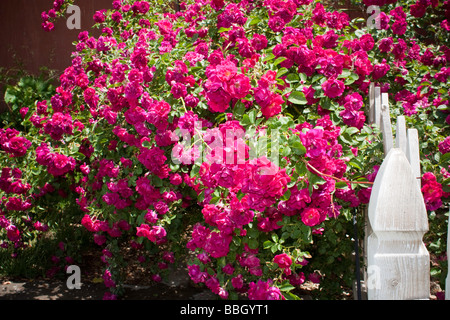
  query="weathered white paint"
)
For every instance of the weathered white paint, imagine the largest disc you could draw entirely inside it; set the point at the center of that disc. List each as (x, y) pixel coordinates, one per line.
(398, 219)
(377, 106)
(400, 134)
(396, 259)
(386, 126)
(413, 153)
(372, 103)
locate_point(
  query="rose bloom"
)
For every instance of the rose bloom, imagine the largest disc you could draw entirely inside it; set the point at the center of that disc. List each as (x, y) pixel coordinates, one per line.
(239, 86)
(259, 42)
(16, 146)
(444, 146)
(218, 99)
(283, 260)
(310, 217)
(385, 45)
(333, 88)
(274, 106)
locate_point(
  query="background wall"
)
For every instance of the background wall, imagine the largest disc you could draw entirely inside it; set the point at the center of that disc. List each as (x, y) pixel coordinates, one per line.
(24, 42)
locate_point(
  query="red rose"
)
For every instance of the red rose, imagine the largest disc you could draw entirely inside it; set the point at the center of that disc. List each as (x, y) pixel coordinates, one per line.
(333, 88)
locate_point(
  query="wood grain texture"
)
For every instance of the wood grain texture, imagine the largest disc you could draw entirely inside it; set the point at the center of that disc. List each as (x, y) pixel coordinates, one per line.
(400, 134)
(386, 126)
(413, 153)
(398, 219)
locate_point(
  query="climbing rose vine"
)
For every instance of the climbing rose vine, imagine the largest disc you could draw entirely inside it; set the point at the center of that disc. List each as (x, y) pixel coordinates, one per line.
(246, 122)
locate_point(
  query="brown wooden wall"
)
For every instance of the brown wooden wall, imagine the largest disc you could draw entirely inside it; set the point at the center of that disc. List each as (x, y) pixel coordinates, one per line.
(24, 41)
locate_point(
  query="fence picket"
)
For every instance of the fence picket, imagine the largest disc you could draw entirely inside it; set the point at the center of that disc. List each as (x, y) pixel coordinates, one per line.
(396, 259)
(412, 153)
(377, 106)
(372, 103)
(400, 134)
(386, 127)
(398, 218)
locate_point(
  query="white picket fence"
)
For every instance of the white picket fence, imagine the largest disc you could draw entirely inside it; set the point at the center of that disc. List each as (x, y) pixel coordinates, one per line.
(397, 263)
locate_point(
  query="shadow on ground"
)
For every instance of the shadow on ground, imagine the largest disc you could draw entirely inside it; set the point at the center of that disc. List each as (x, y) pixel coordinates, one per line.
(46, 289)
(177, 287)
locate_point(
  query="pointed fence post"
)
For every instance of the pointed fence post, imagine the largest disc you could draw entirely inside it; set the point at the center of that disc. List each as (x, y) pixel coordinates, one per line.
(385, 124)
(398, 261)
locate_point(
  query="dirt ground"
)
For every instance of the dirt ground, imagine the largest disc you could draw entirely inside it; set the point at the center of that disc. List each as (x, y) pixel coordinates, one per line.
(57, 290)
(177, 288)
(138, 286)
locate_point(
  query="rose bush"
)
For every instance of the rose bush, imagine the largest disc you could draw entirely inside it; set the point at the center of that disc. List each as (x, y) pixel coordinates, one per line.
(243, 123)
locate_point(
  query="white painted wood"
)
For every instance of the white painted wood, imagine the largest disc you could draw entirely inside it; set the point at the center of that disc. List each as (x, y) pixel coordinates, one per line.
(400, 134)
(398, 261)
(413, 154)
(386, 126)
(367, 228)
(377, 106)
(372, 103)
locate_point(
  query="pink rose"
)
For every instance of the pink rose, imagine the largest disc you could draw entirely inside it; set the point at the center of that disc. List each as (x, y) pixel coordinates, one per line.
(311, 217)
(273, 107)
(444, 146)
(218, 98)
(239, 86)
(283, 260)
(333, 88)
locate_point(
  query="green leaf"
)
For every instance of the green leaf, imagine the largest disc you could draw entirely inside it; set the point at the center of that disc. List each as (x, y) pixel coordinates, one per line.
(10, 97)
(281, 72)
(351, 78)
(298, 147)
(279, 60)
(267, 244)
(301, 169)
(286, 151)
(351, 130)
(268, 57)
(157, 181)
(290, 296)
(292, 78)
(245, 120)
(355, 164)
(341, 185)
(275, 237)
(254, 21)
(297, 97)
(253, 244)
(446, 185)
(286, 287)
(345, 73)
(224, 29)
(274, 248)
(286, 195)
(445, 158)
